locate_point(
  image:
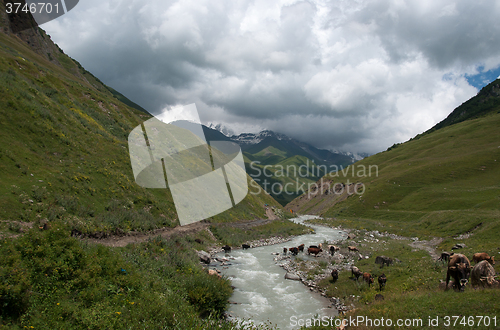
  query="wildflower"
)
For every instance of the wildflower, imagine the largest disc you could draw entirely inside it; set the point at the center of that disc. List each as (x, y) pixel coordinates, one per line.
(58, 304)
(118, 313)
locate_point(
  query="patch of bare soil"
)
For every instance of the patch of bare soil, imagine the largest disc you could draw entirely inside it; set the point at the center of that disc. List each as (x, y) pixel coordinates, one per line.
(429, 246)
(270, 214)
(18, 226)
(133, 238)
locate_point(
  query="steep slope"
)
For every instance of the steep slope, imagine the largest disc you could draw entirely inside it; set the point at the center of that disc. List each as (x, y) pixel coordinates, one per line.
(445, 183)
(64, 152)
(485, 102)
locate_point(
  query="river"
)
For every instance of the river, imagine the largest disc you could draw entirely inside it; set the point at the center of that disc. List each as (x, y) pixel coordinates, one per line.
(262, 294)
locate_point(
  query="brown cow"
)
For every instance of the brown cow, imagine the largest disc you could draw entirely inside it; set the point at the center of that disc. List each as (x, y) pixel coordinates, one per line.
(294, 250)
(459, 269)
(285, 250)
(353, 248)
(314, 251)
(477, 257)
(356, 272)
(368, 278)
(483, 274)
(301, 247)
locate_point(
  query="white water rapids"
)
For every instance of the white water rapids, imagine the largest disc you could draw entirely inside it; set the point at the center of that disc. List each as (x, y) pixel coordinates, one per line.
(262, 294)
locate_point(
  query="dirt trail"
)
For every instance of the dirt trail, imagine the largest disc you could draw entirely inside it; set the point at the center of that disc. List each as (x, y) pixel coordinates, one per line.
(121, 241)
(429, 246)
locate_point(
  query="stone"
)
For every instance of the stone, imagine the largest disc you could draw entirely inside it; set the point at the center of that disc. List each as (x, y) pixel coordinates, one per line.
(204, 257)
(292, 276)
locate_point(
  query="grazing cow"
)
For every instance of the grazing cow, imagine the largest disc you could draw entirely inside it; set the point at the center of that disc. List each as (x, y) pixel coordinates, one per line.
(353, 248)
(356, 272)
(226, 248)
(285, 250)
(294, 250)
(335, 275)
(483, 274)
(381, 281)
(477, 257)
(301, 247)
(314, 251)
(368, 278)
(445, 256)
(459, 269)
(333, 249)
(245, 246)
(383, 260)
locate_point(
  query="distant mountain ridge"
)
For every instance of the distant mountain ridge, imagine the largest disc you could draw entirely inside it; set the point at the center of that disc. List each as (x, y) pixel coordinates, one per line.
(276, 161)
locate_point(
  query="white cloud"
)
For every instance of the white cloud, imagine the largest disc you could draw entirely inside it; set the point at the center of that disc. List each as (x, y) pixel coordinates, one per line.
(351, 75)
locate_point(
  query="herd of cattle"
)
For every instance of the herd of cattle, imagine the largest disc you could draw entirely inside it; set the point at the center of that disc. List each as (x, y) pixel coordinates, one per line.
(459, 266)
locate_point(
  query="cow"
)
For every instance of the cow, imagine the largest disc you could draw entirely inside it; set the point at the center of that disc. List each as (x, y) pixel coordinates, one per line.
(314, 251)
(381, 281)
(333, 249)
(313, 246)
(477, 257)
(356, 272)
(459, 269)
(483, 274)
(285, 250)
(301, 247)
(294, 250)
(445, 256)
(245, 246)
(383, 260)
(226, 248)
(353, 248)
(368, 278)
(335, 275)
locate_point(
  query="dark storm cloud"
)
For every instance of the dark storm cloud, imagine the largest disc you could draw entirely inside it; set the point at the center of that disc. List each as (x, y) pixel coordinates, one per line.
(447, 33)
(349, 75)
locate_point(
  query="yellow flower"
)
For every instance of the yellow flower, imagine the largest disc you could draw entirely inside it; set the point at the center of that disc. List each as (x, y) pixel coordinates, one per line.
(58, 304)
(118, 313)
(132, 303)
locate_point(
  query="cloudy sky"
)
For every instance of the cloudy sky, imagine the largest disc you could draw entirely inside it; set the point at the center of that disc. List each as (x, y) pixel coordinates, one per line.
(349, 75)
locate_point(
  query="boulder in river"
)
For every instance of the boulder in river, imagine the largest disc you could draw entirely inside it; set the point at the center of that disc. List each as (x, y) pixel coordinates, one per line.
(204, 257)
(292, 276)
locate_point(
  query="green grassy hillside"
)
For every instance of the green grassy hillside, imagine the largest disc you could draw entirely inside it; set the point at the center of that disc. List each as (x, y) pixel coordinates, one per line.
(65, 154)
(445, 183)
(65, 171)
